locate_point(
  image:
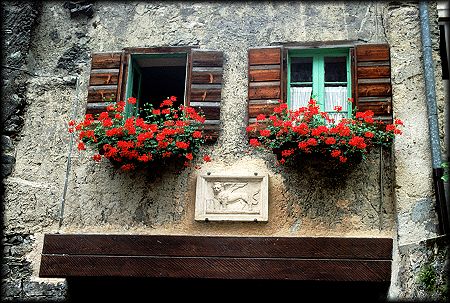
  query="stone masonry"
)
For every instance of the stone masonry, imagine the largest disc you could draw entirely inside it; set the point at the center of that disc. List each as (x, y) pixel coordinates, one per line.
(47, 47)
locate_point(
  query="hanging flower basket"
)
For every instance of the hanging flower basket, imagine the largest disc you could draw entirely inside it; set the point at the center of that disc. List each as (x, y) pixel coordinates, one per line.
(307, 134)
(164, 136)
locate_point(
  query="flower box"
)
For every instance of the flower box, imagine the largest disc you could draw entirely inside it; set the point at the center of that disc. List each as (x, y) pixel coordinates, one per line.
(163, 135)
(308, 134)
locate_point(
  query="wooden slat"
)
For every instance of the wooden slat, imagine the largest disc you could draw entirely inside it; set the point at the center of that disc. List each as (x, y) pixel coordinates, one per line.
(105, 60)
(283, 247)
(265, 75)
(379, 108)
(264, 92)
(98, 93)
(254, 133)
(256, 109)
(211, 131)
(96, 108)
(215, 268)
(211, 112)
(260, 56)
(206, 94)
(375, 89)
(207, 75)
(104, 77)
(372, 52)
(371, 72)
(207, 58)
(221, 257)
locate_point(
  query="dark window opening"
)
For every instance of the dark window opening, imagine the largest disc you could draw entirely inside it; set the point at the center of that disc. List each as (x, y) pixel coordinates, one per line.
(154, 78)
(443, 52)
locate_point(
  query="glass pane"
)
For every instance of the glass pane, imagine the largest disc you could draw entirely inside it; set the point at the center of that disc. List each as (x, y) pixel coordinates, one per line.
(301, 69)
(336, 96)
(300, 97)
(335, 69)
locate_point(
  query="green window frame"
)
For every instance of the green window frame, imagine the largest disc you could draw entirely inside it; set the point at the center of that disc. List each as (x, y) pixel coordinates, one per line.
(134, 88)
(318, 73)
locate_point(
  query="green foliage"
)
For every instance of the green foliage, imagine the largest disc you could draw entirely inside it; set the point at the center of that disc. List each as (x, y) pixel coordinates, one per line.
(427, 277)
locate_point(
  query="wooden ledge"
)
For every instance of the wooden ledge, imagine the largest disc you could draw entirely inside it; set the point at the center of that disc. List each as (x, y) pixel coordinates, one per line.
(217, 257)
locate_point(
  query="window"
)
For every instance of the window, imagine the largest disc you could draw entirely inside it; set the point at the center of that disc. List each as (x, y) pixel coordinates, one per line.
(331, 74)
(152, 74)
(154, 77)
(323, 74)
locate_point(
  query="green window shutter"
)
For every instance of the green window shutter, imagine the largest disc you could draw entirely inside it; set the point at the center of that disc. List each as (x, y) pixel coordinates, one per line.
(372, 84)
(205, 89)
(103, 80)
(265, 81)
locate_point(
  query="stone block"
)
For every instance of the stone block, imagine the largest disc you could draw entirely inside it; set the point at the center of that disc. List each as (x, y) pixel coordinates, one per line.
(231, 197)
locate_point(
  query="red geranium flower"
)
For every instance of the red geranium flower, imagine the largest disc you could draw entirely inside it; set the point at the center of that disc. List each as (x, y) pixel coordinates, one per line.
(254, 142)
(97, 157)
(315, 132)
(149, 138)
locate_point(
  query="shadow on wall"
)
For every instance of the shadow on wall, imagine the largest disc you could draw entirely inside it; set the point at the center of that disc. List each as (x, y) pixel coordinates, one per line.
(129, 289)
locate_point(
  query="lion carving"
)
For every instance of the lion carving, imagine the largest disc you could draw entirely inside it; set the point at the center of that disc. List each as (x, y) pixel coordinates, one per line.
(227, 193)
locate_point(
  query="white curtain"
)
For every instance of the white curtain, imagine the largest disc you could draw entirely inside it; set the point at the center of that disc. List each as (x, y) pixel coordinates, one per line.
(300, 97)
(336, 96)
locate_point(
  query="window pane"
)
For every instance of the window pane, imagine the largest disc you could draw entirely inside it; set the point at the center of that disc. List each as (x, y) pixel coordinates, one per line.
(301, 69)
(336, 96)
(335, 69)
(300, 97)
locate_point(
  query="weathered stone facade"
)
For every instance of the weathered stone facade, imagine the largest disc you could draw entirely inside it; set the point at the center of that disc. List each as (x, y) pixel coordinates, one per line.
(392, 198)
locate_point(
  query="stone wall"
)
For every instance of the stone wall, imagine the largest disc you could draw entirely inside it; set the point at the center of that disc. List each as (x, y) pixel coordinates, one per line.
(425, 267)
(18, 21)
(302, 202)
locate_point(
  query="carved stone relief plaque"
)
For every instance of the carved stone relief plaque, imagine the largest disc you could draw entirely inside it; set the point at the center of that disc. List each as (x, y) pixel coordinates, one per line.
(232, 198)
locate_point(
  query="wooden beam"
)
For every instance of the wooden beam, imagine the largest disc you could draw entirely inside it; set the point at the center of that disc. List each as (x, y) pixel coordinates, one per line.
(278, 258)
(215, 268)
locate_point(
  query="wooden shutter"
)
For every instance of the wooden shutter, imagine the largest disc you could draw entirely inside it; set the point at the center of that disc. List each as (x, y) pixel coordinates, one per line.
(372, 80)
(264, 81)
(103, 81)
(205, 91)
